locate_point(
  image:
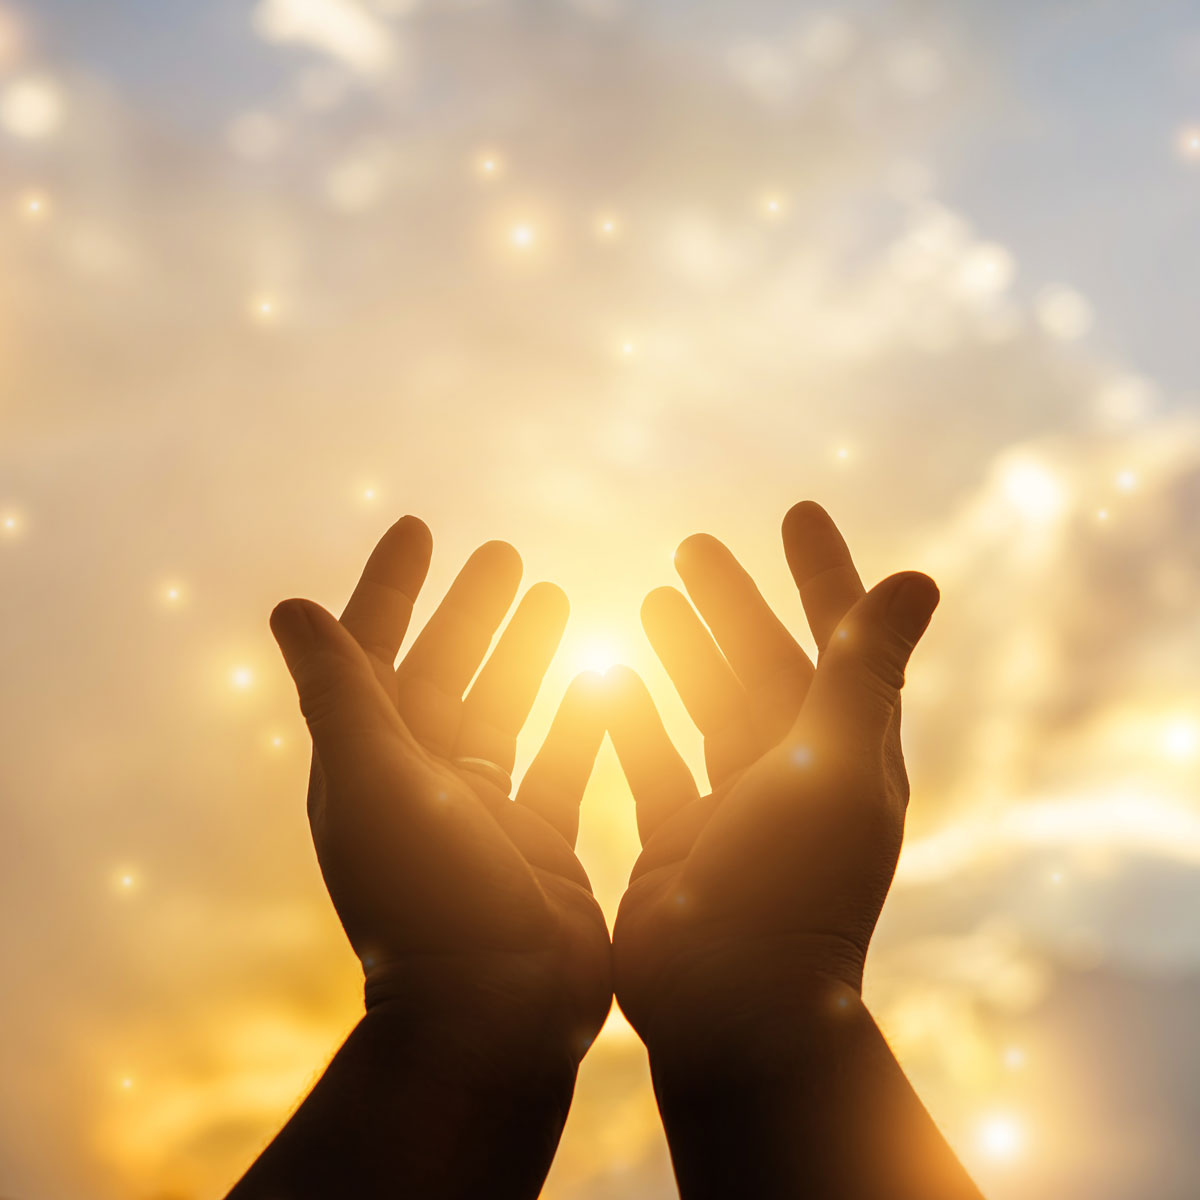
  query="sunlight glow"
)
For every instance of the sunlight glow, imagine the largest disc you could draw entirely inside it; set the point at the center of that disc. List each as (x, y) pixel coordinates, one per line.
(772, 206)
(241, 678)
(1180, 740)
(489, 165)
(31, 108)
(1128, 822)
(1001, 1137)
(264, 309)
(986, 270)
(35, 206)
(1033, 490)
(596, 653)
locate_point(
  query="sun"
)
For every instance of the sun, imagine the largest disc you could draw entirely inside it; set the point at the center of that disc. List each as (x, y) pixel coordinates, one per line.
(596, 652)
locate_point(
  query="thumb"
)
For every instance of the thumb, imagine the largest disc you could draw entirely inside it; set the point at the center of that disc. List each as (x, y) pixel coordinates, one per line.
(859, 677)
(340, 697)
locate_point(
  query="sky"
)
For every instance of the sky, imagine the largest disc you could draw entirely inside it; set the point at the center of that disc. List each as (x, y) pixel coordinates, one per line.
(592, 276)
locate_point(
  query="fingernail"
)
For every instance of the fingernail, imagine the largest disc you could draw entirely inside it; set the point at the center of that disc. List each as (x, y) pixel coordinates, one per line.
(912, 605)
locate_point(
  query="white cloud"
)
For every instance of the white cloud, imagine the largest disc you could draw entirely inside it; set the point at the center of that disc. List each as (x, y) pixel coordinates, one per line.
(343, 29)
(1064, 313)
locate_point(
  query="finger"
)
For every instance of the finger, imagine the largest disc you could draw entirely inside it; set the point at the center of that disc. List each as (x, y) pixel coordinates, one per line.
(765, 657)
(854, 696)
(658, 777)
(555, 782)
(381, 607)
(498, 703)
(821, 565)
(446, 654)
(349, 715)
(709, 689)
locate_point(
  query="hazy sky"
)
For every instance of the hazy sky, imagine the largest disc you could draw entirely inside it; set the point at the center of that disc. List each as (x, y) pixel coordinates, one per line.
(591, 276)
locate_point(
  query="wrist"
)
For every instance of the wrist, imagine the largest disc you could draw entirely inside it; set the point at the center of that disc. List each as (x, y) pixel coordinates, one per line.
(499, 1014)
(754, 1039)
(480, 1064)
(415, 1109)
(745, 1000)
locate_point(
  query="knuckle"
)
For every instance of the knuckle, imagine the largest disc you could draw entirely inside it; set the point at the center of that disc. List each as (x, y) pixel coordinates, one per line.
(884, 669)
(323, 689)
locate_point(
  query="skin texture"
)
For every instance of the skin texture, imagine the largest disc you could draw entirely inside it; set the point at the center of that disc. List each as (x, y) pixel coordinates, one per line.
(486, 958)
(740, 944)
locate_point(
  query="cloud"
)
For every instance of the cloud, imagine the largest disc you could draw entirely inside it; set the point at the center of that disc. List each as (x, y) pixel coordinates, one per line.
(342, 29)
(413, 344)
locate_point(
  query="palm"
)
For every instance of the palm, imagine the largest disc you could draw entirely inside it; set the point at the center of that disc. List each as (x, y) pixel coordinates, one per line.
(426, 858)
(786, 863)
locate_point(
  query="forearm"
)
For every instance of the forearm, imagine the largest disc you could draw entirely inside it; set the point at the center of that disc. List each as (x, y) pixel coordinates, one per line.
(403, 1111)
(811, 1104)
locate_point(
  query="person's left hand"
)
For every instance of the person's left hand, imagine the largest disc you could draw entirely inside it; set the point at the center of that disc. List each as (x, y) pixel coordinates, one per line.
(770, 886)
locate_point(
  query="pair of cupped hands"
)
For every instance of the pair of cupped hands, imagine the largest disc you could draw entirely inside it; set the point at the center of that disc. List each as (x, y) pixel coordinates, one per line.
(470, 910)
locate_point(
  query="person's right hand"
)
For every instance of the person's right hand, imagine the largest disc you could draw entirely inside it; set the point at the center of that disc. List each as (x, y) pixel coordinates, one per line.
(767, 890)
(470, 913)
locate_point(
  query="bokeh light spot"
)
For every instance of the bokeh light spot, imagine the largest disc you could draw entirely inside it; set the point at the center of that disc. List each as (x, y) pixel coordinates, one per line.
(1001, 1137)
(31, 108)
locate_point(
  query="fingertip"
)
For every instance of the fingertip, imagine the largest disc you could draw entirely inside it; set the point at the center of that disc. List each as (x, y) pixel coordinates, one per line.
(912, 599)
(695, 546)
(414, 532)
(658, 604)
(501, 557)
(292, 627)
(812, 542)
(586, 699)
(620, 680)
(803, 515)
(588, 682)
(550, 604)
(288, 615)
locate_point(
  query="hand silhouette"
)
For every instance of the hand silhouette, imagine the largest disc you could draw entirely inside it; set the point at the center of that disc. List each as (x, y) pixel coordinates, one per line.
(781, 871)
(739, 946)
(487, 959)
(459, 902)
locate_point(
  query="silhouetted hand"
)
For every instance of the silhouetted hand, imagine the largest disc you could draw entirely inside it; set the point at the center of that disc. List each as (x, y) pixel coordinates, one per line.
(487, 959)
(739, 946)
(448, 891)
(785, 865)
